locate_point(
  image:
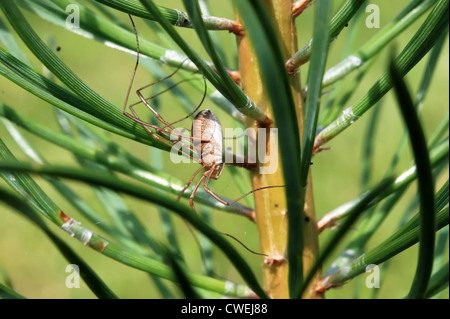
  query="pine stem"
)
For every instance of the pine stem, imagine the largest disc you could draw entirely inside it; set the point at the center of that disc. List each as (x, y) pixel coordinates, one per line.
(270, 205)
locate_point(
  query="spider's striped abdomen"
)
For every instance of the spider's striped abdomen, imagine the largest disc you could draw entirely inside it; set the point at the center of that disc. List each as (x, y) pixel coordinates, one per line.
(207, 138)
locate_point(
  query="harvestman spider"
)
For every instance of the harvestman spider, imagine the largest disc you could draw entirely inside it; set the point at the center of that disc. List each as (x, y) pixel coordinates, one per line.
(207, 144)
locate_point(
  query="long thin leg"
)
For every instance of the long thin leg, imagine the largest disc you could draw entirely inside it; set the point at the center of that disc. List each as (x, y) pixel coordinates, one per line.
(189, 182)
(134, 75)
(135, 67)
(163, 137)
(135, 117)
(167, 124)
(221, 200)
(191, 198)
(144, 100)
(160, 136)
(159, 93)
(196, 109)
(161, 133)
(158, 116)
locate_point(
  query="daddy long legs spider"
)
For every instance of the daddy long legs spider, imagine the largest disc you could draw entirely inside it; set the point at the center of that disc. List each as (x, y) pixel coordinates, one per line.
(206, 137)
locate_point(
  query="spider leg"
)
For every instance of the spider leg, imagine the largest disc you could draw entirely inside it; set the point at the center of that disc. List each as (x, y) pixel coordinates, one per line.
(144, 100)
(209, 191)
(205, 186)
(221, 200)
(189, 182)
(195, 110)
(160, 133)
(162, 136)
(159, 117)
(191, 198)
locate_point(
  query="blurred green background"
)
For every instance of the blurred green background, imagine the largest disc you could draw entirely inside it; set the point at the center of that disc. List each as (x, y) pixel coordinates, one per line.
(37, 270)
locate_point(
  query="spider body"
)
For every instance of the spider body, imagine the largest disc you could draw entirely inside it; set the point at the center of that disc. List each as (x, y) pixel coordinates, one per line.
(207, 138)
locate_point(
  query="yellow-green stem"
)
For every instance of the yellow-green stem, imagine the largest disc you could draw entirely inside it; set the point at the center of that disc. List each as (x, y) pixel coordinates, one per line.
(270, 205)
